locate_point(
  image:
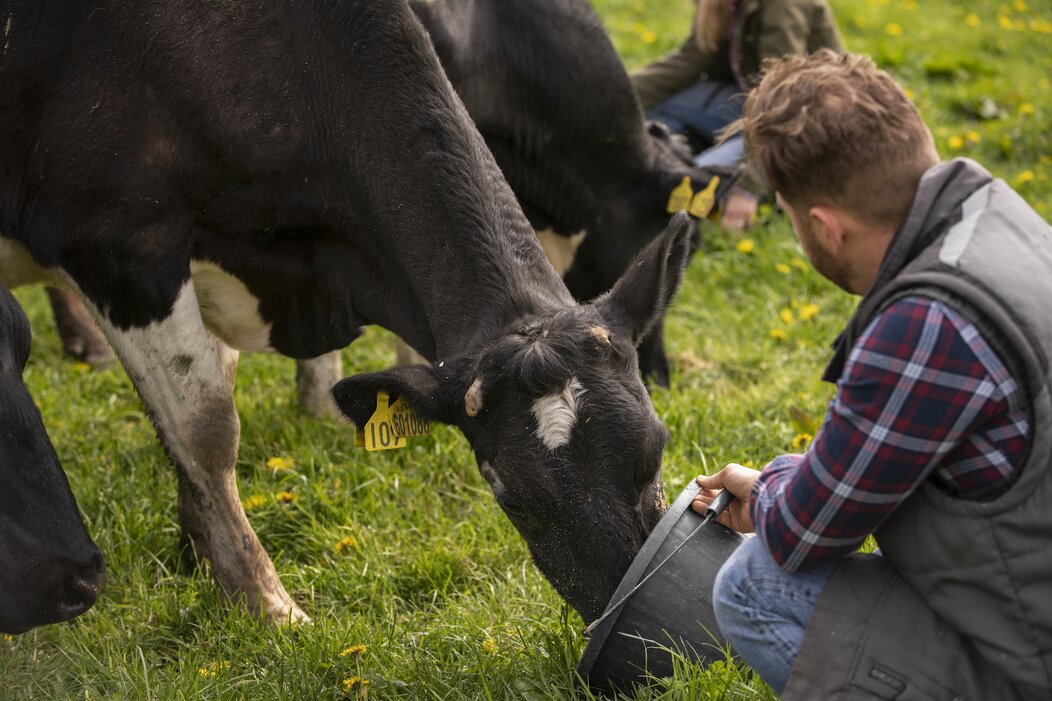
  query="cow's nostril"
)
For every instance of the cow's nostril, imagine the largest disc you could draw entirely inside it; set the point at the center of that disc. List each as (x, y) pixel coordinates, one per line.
(81, 589)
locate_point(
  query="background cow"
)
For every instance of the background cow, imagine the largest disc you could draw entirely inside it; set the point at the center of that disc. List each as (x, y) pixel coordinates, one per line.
(50, 570)
(551, 97)
(272, 176)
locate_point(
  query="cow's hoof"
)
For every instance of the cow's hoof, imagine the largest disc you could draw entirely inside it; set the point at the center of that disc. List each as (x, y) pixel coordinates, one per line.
(288, 614)
(81, 338)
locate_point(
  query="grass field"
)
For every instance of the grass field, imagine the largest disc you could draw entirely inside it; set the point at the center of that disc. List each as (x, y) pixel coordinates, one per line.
(419, 586)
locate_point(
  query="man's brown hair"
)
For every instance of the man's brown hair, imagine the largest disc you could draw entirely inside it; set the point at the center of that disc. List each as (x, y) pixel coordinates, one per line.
(832, 128)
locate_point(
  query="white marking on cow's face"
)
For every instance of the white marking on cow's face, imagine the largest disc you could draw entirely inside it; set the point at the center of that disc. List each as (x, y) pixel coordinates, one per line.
(556, 414)
(492, 478)
(228, 308)
(560, 250)
(17, 267)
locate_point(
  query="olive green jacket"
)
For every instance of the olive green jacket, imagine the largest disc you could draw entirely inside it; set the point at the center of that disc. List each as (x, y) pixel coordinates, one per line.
(771, 28)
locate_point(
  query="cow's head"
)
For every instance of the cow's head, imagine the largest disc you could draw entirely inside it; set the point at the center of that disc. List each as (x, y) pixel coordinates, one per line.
(561, 425)
(50, 570)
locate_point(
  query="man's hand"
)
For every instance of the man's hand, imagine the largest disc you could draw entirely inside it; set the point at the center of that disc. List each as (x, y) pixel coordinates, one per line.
(739, 481)
(739, 211)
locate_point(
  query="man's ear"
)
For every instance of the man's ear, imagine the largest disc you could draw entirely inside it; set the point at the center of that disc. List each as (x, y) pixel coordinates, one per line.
(639, 298)
(424, 388)
(827, 225)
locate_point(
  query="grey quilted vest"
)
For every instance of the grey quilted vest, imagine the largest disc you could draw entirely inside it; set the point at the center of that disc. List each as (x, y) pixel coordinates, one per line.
(960, 606)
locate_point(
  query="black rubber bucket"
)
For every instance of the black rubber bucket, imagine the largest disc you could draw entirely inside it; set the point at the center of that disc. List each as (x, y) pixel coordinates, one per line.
(672, 611)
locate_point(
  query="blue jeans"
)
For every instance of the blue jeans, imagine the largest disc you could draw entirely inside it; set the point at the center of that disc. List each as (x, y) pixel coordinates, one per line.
(701, 111)
(763, 611)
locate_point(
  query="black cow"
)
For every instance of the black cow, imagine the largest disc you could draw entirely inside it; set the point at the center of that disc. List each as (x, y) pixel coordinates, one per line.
(50, 570)
(550, 95)
(270, 175)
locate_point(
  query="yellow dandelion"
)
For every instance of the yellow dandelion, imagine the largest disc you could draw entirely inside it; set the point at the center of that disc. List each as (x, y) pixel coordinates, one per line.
(1005, 22)
(346, 543)
(808, 312)
(893, 29)
(352, 683)
(286, 497)
(779, 334)
(973, 136)
(782, 268)
(860, 21)
(801, 440)
(909, 94)
(794, 303)
(253, 502)
(1044, 27)
(355, 650)
(280, 464)
(81, 367)
(972, 20)
(648, 37)
(955, 142)
(786, 315)
(748, 463)
(798, 263)
(910, 5)
(213, 669)
(1023, 178)
(745, 246)
(489, 645)
(1020, 6)
(1027, 108)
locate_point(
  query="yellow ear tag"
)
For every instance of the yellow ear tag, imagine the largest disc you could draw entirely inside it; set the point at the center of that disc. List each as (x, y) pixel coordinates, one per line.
(680, 196)
(379, 434)
(702, 203)
(359, 438)
(406, 422)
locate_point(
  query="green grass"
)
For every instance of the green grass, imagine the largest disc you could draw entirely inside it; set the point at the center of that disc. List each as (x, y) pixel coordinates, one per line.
(438, 585)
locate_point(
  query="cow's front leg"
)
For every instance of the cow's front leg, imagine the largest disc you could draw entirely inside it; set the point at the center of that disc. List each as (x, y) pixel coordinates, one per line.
(192, 523)
(184, 376)
(314, 380)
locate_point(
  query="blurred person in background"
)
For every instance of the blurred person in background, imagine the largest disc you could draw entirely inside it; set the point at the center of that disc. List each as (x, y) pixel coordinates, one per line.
(698, 89)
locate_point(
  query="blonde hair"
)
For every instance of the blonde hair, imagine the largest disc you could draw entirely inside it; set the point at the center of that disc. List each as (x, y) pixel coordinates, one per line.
(710, 23)
(832, 128)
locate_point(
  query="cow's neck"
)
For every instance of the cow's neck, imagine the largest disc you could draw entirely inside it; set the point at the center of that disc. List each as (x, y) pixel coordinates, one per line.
(464, 264)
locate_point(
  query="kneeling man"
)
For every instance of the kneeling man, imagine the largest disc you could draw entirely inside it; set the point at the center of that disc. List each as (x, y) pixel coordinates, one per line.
(939, 439)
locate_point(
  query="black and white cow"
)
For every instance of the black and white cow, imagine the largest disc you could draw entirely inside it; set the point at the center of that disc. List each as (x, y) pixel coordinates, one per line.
(50, 570)
(270, 175)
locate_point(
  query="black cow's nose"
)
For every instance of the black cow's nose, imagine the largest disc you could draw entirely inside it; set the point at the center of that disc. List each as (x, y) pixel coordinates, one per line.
(81, 588)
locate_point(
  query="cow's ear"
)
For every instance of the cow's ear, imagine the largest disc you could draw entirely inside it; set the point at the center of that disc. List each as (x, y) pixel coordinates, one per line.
(639, 299)
(425, 388)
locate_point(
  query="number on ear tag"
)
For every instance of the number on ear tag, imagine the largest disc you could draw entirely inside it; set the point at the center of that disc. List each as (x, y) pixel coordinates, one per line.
(406, 422)
(379, 433)
(702, 203)
(680, 196)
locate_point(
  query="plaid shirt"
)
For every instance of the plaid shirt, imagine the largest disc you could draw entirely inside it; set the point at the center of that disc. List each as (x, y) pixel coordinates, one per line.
(922, 397)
